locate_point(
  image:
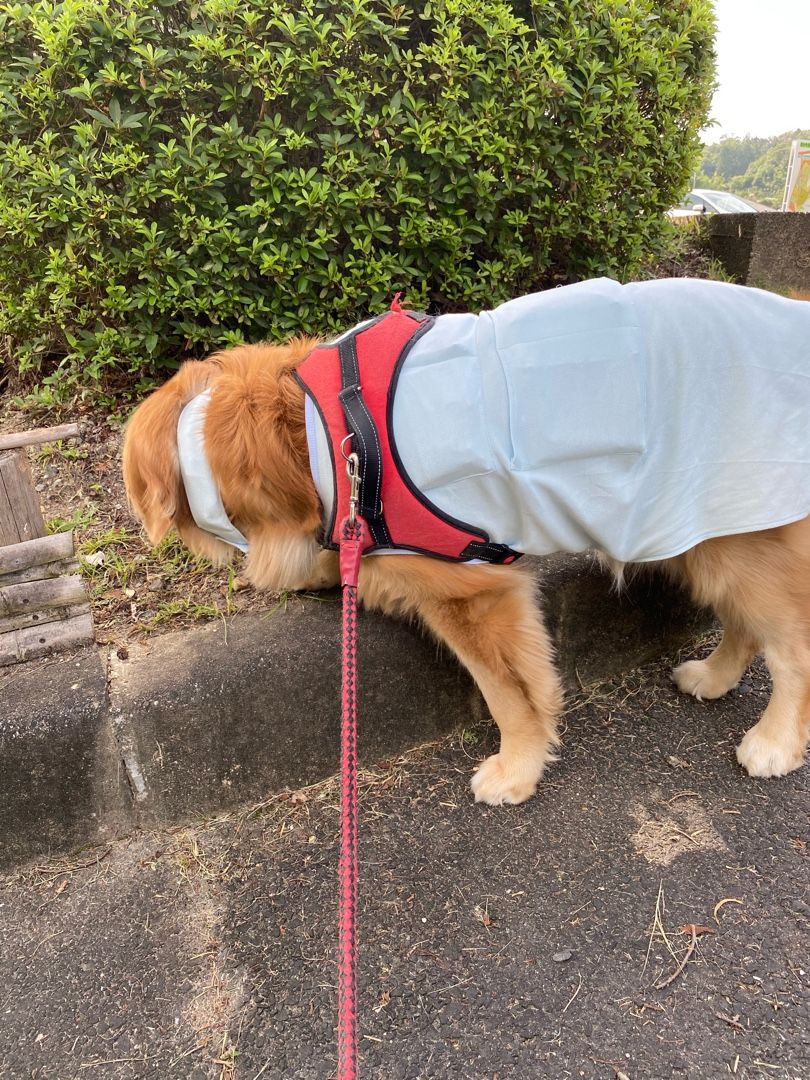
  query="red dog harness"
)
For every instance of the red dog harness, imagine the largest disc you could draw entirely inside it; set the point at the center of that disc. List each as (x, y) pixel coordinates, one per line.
(352, 383)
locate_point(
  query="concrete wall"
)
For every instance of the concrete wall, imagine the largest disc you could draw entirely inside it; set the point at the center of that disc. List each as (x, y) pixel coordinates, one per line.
(769, 251)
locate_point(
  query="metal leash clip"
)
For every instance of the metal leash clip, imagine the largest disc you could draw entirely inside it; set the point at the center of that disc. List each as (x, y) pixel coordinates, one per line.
(353, 469)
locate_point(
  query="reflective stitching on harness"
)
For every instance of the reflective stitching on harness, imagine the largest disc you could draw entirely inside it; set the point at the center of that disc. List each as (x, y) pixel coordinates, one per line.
(499, 552)
(377, 522)
(354, 359)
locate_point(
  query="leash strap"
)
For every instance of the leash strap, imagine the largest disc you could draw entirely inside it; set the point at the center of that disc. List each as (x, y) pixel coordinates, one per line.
(353, 541)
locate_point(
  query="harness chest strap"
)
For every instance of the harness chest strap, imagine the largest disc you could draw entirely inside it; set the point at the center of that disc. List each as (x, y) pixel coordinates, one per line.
(352, 383)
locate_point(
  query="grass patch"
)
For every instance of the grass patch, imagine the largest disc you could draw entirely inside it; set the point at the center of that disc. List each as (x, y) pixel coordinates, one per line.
(170, 609)
(79, 519)
(49, 451)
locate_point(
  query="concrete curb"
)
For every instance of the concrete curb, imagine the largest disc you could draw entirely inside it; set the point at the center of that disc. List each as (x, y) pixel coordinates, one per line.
(196, 722)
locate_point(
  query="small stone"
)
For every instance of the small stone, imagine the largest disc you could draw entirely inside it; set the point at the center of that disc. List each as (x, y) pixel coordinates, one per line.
(561, 956)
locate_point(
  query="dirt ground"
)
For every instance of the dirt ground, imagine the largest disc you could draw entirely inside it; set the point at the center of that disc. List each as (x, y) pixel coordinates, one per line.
(645, 916)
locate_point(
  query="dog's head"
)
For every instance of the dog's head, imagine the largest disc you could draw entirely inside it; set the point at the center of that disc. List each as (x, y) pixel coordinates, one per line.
(254, 440)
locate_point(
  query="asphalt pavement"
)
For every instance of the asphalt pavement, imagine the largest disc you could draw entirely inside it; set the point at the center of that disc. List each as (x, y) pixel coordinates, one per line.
(646, 915)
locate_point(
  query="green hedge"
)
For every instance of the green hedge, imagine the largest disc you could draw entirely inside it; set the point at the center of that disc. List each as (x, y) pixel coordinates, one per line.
(178, 175)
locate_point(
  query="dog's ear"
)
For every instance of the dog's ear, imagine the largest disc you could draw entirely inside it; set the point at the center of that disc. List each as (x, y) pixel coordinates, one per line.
(256, 439)
(150, 458)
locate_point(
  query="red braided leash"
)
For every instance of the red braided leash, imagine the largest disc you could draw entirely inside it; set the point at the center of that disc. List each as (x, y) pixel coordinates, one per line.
(354, 538)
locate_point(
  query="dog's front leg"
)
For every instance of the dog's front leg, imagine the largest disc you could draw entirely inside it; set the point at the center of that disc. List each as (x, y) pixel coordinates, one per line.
(500, 639)
(489, 618)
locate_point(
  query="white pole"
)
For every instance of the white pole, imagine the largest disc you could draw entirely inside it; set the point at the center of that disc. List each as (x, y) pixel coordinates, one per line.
(792, 162)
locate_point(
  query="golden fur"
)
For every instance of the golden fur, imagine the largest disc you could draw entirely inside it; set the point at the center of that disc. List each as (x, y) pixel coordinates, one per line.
(758, 583)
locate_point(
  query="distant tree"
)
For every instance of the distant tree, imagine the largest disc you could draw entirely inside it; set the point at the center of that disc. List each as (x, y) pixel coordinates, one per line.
(752, 167)
(764, 179)
(731, 156)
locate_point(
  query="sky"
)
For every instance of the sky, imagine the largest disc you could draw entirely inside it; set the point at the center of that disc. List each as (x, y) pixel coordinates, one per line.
(763, 62)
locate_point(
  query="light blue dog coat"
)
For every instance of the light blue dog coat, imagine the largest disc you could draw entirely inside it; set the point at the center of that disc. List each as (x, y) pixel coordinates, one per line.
(637, 419)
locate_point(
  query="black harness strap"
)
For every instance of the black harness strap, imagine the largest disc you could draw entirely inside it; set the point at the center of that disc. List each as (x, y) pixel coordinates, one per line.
(489, 552)
(365, 442)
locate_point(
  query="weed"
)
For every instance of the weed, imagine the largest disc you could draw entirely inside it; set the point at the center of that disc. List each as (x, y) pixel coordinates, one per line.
(40, 399)
(717, 272)
(281, 604)
(104, 540)
(171, 608)
(79, 519)
(58, 449)
(284, 599)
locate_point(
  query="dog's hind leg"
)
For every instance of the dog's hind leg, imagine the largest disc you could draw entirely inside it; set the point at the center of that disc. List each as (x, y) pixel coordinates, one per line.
(759, 583)
(776, 744)
(489, 617)
(722, 670)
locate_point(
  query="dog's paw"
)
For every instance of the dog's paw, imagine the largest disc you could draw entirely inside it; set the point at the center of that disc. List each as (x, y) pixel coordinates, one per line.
(500, 780)
(761, 755)
(697, 678)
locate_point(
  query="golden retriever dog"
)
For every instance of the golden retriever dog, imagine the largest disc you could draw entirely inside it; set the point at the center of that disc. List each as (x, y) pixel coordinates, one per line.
(255, 440)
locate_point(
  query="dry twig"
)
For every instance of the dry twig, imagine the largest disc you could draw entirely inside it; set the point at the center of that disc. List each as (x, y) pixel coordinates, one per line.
(683, 963)
(722, 903)
(732, 1021)
(572, 999)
